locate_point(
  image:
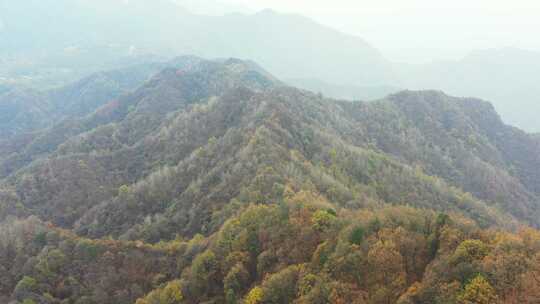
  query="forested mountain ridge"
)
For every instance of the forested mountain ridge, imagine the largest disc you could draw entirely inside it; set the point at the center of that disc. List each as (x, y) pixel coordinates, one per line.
(58, 47)
(26, 110)
(478, 146)
(117, 129)
(72, 105)
(489, 74)
(213, 182)
(22, 110)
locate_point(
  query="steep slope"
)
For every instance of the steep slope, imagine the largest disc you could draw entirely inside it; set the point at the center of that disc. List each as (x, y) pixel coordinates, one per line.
(463, 141)
(22, 110)
(26, 110)
(113, 141)
(85, 96)
(155, 132)
(278, 137)
(66, 111)
(452, 147)
(503, 76)
(285, 197)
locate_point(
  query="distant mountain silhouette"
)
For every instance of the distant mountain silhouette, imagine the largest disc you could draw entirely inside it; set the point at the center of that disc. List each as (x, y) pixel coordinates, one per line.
(289, 46)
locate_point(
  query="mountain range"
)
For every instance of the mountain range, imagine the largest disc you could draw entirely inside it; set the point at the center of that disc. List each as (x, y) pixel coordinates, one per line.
(212, 181)
(112, 27)
(289, 46)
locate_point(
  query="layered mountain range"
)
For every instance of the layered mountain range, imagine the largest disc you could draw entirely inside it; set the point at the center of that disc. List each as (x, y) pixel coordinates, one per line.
(213, 182)
(71, 39)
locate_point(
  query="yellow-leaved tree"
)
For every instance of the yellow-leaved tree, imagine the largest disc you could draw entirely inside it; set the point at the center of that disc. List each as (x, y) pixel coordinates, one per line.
(170, 294)
(254, 296)
(478, 291)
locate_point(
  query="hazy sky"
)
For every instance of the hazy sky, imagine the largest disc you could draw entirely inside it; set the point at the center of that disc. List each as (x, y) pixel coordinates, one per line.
(423, 30)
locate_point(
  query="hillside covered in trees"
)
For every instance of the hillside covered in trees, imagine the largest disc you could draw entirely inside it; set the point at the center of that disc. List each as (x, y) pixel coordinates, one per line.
(213, 182)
